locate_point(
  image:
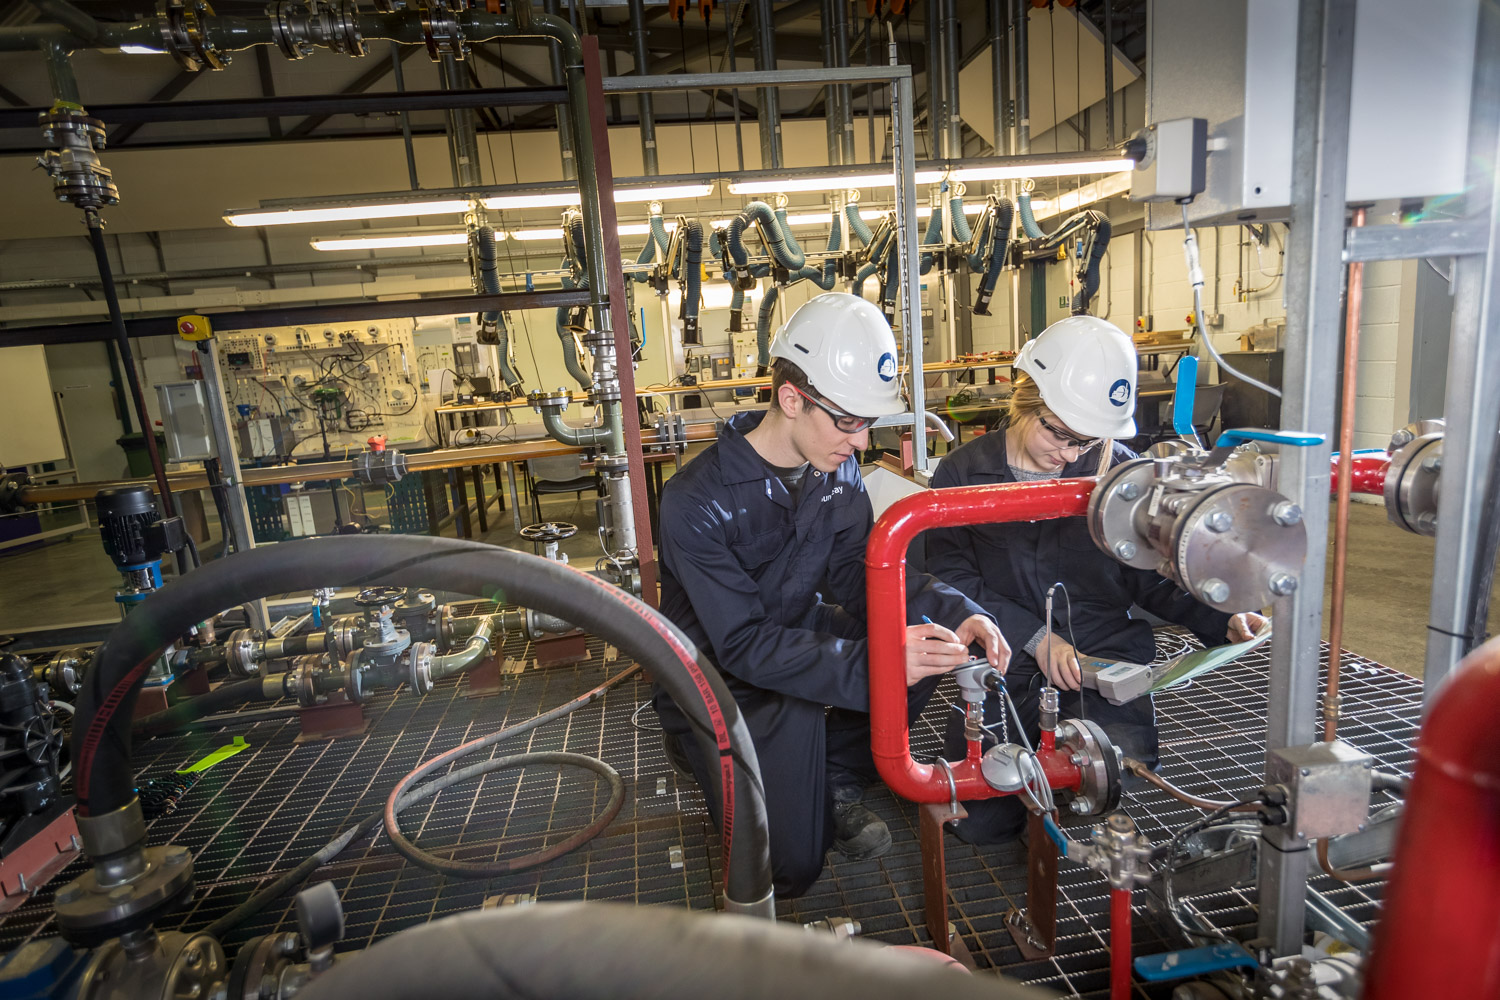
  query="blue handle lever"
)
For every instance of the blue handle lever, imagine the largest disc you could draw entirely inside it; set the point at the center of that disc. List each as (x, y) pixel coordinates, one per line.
(1230, 438)
(1182, 401)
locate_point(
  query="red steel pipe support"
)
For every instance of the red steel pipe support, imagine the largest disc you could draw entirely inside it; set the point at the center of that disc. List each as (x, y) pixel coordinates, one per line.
(885, 591)
(1120, 939)
(1446, 872)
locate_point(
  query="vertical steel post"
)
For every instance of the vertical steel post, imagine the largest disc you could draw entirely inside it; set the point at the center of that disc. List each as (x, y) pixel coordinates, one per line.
(832, 118)
(952, 139)
(644, 109)
(996, 11)
(1467, 506)
(1022, 83)
(1109, 79)
(767, 98)
(564, 112)
(614, 278)
(903, 154)
(845, 93)
(1314, 270)
(236, 511)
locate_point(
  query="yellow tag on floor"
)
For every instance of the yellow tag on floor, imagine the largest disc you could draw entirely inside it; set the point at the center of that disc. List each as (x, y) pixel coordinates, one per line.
(223, 753)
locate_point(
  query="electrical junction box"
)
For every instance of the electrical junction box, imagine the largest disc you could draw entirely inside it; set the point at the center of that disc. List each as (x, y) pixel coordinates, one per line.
(1328, 788)
(266, 437)
(1174, 163)
(184, 419)
(299, 513)
(1234, 63)
(746, 353)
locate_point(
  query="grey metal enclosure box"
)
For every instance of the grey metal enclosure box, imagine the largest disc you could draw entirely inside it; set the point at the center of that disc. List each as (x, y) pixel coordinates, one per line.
(184, 419)
(1233, 62)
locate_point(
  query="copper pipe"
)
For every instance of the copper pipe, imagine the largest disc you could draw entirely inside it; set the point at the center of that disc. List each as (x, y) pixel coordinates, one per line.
(1354, 299)
(1349, 874)
(1140, 770)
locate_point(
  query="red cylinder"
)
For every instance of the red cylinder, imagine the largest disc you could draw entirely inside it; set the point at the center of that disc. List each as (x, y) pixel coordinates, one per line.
(885, 594)
(1438, 933)
(1367, 473)
(1119, 944)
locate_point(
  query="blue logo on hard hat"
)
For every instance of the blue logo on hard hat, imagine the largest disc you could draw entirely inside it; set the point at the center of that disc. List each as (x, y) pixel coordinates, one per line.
(886, 367)
(1119, 393)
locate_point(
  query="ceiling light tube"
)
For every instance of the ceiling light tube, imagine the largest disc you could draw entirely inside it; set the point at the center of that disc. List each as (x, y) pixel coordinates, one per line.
(792, 185)
(1059, 169)
(456, 239)
(568, 199)
(344, 213)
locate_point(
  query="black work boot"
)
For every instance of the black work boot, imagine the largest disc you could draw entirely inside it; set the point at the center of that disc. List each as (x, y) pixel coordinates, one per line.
(859, 834)
(676, 756)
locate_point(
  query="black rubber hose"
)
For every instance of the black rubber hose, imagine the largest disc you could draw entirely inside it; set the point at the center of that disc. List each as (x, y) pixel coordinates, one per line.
(336, 846)
(615, 951)
(1090, 284)
(401, 800)
(101, 741)
(185, 712)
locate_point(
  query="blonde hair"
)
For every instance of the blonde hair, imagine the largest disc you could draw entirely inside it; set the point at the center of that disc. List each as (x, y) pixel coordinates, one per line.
(1026, 405)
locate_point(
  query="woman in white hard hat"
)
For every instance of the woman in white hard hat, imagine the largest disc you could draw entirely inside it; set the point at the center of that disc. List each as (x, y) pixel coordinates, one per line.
(1072, 400)
(762, 566)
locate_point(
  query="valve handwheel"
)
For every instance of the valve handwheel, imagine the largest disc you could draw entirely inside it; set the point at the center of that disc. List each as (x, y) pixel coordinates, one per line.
(374, 597)
(549, 531)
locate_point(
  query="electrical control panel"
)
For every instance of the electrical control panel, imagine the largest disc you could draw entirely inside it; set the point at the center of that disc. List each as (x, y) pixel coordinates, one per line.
(345, 381)
(745, 353)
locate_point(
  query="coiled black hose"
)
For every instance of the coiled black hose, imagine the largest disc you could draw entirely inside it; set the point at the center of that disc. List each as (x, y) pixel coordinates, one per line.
(101, 735)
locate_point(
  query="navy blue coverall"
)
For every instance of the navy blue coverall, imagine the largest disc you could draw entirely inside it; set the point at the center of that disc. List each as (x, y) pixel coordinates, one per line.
(1008, 568)
(771, 588)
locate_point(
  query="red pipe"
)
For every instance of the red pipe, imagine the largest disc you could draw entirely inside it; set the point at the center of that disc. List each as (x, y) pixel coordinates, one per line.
(885, 582)
(1438, 937)
(1368, 473)
(885, 588)
(1119, 944)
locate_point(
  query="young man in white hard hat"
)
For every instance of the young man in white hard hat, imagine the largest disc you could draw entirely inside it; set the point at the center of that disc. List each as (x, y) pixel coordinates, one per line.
(1073, 397)
(762, 565)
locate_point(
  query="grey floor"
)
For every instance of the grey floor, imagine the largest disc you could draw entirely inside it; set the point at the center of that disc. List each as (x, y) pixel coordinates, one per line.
(1389, 578)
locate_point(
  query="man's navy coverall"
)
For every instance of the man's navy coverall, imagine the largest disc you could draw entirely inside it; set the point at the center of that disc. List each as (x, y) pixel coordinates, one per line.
(771, 588)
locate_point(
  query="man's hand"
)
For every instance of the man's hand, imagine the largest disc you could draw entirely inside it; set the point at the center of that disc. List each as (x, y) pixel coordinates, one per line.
(932, 649)
(983, 630)
(1243, 626)
(1059, 662)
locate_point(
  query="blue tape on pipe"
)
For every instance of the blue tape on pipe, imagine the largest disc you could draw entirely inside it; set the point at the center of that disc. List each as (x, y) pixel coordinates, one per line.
(1187, 390)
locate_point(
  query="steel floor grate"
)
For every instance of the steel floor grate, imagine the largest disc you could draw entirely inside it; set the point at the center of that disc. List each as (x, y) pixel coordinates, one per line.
(259, 813)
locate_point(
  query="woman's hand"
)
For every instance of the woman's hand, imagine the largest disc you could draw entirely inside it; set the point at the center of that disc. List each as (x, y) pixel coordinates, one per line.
(1059, 662)
(1243, 626)
(983, 630)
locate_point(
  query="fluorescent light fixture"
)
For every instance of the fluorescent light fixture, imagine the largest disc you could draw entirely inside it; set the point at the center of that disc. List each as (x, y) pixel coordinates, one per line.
(663, 192)
(567, 199)
(642, 228)
(536, 234)
(1060, 169)
(345, 213)
(457, 239)
(555, 199)
(791, 185)
(1105, 187)
(140, 50)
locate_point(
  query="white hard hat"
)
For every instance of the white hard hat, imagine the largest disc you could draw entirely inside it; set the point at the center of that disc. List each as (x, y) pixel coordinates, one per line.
(847, 350)
(1085, 368)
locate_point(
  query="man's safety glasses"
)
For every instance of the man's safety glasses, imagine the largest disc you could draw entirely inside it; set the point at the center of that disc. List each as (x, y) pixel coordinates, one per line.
(847, 423)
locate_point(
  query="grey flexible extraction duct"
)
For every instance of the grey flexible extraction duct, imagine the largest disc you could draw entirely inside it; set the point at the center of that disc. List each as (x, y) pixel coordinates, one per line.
(691, 276)
(566, 318)
(634, 952)
(857, 225)
(991, 250)
(104, 778)
(492, 329)
(759, 213)
(1028, 221)
(1088, 284)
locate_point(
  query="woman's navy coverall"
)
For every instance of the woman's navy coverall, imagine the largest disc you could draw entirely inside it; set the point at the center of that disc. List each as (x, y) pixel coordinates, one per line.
(771, 588)
(1008, 568)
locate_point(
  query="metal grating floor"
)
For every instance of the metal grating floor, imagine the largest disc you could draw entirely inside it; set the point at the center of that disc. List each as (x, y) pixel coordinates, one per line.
(257, 814)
